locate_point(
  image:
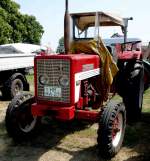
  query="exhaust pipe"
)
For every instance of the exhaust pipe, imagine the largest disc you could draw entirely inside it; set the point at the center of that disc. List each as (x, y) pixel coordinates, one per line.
(126, 29)
(66, 29)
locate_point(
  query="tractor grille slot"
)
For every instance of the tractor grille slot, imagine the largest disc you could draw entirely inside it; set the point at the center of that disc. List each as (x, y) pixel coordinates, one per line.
(53, 69)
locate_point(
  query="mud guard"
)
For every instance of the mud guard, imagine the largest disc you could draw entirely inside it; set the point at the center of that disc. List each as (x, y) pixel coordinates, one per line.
(146, 74)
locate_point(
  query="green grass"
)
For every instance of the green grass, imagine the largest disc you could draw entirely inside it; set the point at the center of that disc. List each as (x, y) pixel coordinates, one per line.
(146, 101)
(76, 140)
(139, 133)
(30, 79)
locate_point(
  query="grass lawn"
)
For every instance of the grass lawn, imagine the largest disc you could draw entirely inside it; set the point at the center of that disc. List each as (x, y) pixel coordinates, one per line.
(76, 141)
(146, 102)
(136, 146)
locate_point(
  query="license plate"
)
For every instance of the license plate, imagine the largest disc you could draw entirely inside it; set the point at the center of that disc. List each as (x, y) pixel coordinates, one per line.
(52, 91)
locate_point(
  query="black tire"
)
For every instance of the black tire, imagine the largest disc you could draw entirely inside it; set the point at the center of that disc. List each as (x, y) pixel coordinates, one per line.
(12, 87)
(20, 124)
(133, 99)
(109, 140)
(146, 78)
(119, 82)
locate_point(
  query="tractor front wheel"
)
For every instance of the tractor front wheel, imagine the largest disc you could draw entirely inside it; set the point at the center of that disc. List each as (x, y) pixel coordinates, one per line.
(111, 129)
(20, 124)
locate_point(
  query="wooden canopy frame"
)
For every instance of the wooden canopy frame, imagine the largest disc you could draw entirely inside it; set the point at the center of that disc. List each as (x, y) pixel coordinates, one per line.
(85, 20)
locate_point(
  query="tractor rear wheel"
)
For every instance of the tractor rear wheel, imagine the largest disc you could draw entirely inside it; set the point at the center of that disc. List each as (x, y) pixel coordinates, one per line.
(133, 99)
(20, 124)
(111, 129)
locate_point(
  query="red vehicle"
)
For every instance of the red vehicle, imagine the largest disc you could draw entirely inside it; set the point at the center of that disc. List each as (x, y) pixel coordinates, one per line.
(78, 84)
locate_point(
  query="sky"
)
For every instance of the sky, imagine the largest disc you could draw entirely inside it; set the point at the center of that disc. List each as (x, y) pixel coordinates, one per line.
(50, 14)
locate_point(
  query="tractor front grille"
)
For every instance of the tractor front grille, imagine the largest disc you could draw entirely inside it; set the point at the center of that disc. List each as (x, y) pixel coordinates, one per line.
(53, 69)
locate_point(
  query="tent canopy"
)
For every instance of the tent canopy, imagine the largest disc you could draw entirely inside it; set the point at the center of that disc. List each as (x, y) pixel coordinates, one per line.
(85, 20)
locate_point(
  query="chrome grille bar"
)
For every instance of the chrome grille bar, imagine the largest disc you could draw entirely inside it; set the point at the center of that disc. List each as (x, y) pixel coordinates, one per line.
(54, 69)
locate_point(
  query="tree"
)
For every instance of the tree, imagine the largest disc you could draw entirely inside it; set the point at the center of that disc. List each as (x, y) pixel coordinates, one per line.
(60, 48)
(17, 27)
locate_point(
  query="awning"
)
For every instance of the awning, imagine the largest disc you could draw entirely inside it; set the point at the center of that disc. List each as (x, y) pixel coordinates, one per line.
(84, 20)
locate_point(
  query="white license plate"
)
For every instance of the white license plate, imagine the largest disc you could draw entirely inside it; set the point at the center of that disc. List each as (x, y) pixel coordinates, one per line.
(52, 91)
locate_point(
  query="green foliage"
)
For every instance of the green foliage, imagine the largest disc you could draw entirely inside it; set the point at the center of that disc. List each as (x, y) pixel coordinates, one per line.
(60, 48)
(16, 27)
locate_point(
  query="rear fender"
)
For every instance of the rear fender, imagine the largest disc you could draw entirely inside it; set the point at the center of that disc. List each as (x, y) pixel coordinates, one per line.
(126, 55)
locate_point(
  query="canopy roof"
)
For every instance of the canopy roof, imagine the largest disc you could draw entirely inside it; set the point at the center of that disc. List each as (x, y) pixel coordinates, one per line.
(84, 20)
(120, 40)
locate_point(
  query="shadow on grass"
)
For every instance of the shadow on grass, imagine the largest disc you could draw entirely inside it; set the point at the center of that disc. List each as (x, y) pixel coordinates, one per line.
(4, 98)
(139, 158)
(138, 139)
(48, 138)
(86, 154)
(52, 134)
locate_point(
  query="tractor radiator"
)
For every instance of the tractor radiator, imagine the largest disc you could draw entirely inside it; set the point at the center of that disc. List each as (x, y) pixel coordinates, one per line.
(53, 70)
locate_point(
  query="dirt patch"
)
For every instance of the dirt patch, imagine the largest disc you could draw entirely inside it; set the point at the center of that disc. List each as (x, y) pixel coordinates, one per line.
(74, 141)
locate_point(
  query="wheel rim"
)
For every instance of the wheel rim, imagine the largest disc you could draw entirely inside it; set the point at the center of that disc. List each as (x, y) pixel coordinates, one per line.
(117, 130)
(27, 122)
(18, 87)
(28, 127)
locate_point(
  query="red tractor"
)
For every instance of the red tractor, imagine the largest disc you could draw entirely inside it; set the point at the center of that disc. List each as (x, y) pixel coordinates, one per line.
(79, 83)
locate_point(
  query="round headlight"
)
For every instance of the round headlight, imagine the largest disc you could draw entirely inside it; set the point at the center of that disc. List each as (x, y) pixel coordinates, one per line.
(64, 80)
(43, 79)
